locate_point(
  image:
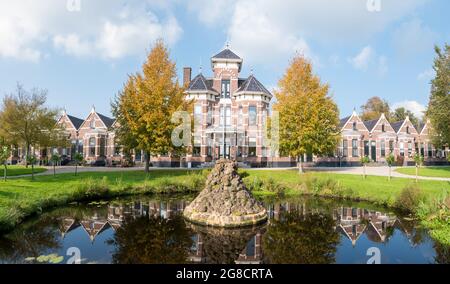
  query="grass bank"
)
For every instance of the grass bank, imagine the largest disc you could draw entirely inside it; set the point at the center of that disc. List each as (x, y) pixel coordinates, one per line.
(22, 197)
(20, 170)
(443, 171)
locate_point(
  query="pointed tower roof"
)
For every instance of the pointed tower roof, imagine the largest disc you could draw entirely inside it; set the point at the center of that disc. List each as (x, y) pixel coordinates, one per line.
(226, 54)
(200, 83)
(252, 85)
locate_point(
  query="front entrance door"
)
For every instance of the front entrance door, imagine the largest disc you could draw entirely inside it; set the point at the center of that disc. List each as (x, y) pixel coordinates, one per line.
(373, 151)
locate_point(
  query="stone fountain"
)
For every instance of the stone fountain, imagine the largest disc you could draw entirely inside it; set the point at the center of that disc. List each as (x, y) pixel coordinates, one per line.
(225, 201)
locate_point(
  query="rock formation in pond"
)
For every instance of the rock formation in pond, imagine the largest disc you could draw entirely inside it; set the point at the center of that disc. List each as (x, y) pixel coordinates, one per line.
(225, 201)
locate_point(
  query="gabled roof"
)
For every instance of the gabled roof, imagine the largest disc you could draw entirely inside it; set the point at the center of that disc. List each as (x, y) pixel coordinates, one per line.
(75, 121)
(370, 124)
(106, 120)
(226, 54)
(200, 83)
(252, 85)
(397, 125)
(343, 121)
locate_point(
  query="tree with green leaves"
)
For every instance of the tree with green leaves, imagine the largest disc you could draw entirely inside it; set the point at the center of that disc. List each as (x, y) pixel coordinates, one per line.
(4, 155)
(364, 161)
(439, 104)
(401, 113)
(374, 107)
(309, 117)
(78, 158)
(390, 160)
(26, 121)
(418, 160)
(55, 158)
(145, 106)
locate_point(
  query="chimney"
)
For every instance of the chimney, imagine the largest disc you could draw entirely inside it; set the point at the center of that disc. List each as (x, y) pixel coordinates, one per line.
(187, 71)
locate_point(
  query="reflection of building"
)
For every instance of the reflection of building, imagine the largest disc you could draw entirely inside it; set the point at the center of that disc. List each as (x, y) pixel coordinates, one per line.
(252, 254)
(116, 214)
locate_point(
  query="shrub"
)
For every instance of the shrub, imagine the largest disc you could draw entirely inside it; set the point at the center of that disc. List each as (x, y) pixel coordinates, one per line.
(271, 185)
(409, 199)
(91, 189)
(255, 184)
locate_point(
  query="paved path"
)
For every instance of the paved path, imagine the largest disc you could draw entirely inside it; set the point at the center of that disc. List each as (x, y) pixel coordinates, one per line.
(376, 171)
(372, 171)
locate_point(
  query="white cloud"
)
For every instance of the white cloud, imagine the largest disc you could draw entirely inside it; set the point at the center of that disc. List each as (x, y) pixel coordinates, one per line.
(413, 37)
(111, 29)
(415, 107)
(426, 75)
(368, 57)
(72, 44)
(362, 60)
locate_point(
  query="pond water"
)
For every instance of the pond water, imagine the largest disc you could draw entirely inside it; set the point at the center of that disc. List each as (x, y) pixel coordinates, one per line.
(152, 230)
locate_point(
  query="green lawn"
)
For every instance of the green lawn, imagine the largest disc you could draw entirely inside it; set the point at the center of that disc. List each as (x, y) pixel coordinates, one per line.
(21, 197)
(443, 171)
(20, 170)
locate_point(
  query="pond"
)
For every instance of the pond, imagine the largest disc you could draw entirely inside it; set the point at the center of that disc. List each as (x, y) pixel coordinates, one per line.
(152, 230)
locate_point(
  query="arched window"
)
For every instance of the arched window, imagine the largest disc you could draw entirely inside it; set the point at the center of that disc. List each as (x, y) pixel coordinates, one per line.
(92, 146)
(407, 129)
(383, 128)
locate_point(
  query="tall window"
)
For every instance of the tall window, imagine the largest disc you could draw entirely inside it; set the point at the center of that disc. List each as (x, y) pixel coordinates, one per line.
(430, 150)
(198, 114)
(344, 148)
(252, 147)
(92, 124)
(92, 146)
(383, 128)
(409, 149)
(354, 126)
(402, 149)
(355, 147)
(210, 113)
(407, 129)
(225, 89)
(225, 113)
(366, 148)
(252, 115)
(391, 146)
(383, 147)
(240, 115)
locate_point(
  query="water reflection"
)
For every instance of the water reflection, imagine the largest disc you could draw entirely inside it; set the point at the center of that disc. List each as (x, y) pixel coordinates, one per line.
(302, 230)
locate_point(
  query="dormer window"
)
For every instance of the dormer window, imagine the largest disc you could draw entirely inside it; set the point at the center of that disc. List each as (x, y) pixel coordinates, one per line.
(225, 89)
(354, 126)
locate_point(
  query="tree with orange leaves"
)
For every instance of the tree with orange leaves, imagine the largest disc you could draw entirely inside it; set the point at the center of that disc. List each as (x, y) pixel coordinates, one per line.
(309, 117)
(145, 106)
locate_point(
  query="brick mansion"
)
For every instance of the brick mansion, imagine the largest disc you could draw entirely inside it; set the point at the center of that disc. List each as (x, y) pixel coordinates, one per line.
(230, 112)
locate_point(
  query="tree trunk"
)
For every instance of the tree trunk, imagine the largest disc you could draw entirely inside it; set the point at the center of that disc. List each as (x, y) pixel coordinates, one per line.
(300, 165)
(27, 153)
(54, 169)
(32, 171)
(364, 167)
(76, 169)
(417, 173)
(4, 172)
(147, 162)
(389, 172)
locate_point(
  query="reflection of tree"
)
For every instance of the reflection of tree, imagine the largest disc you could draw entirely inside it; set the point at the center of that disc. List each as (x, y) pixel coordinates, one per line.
(442, 254)
(30, 240)
(152, 240)
(301, 239)
(223, 245)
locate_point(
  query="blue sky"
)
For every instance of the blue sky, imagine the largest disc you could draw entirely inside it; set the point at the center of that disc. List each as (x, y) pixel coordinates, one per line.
(83, 53)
